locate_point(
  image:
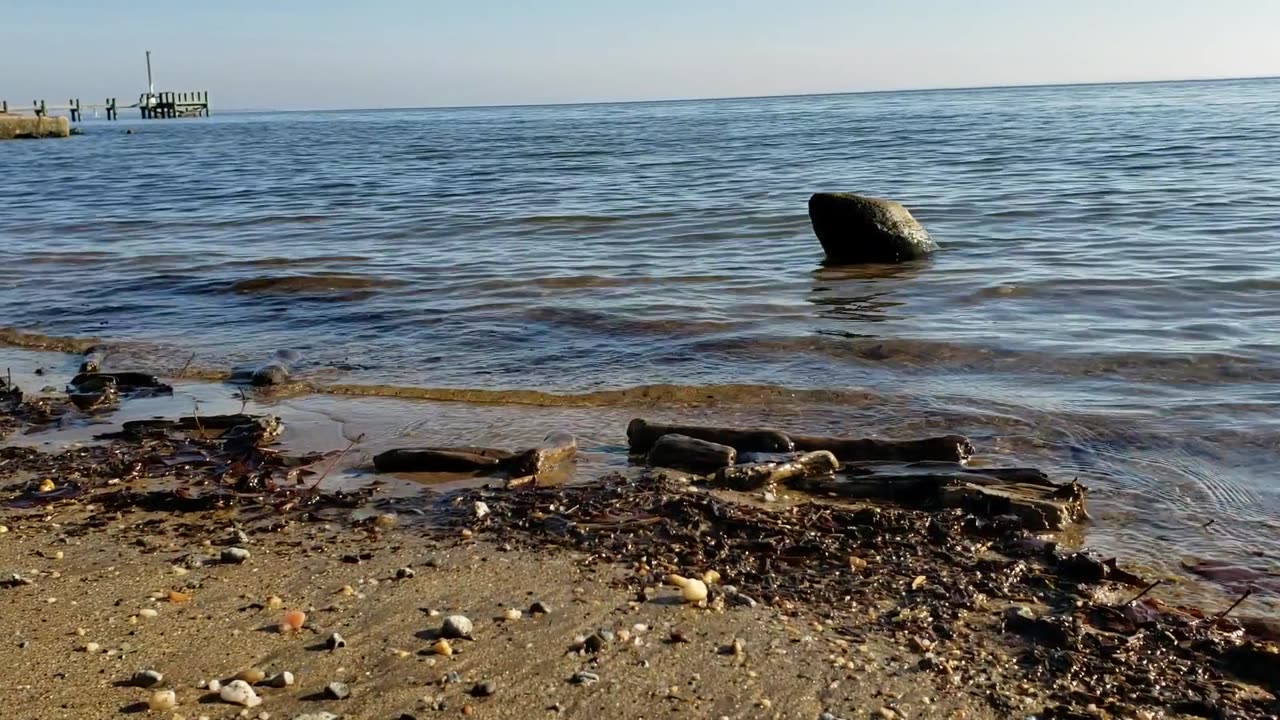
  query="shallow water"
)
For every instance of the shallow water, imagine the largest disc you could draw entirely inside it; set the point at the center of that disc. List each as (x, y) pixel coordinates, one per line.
(1107, 304)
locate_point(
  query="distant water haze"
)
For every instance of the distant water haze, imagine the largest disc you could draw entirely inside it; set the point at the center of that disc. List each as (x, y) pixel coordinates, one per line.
(290, 54)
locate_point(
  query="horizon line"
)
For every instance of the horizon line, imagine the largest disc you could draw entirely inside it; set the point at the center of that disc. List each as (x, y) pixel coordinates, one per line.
(713, 98)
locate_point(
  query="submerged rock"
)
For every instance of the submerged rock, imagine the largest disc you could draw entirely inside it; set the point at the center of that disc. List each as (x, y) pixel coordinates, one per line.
(858, 229)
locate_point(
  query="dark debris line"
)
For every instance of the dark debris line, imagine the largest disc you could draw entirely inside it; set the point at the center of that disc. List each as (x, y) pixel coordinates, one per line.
(926, 575)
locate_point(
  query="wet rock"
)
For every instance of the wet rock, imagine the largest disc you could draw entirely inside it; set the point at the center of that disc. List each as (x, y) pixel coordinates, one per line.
(456, 626)
(235, 555)
(148, 679)
(859, 229)
(337, 691)
(595, 643)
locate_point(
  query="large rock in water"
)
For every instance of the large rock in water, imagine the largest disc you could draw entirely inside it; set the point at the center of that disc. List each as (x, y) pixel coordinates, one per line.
(859, 229)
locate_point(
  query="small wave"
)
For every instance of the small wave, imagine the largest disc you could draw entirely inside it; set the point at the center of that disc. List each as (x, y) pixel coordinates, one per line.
(295, 262)
(570, 220)
(36, 341)
(661, 394)
(302, 284)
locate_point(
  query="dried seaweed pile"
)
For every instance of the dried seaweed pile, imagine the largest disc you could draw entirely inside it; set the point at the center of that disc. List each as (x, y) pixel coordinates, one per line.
(183, 465)
(943, 579)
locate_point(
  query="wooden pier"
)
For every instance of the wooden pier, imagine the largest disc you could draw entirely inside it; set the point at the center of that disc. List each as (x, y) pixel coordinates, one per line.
(151, 105)
(174, 104)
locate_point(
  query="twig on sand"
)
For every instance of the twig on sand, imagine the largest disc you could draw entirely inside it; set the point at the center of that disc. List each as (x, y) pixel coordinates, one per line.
(336, 460)
(1142, 594)
(186, 365)
(195, 414)
(1206, 525)
(1234, 605)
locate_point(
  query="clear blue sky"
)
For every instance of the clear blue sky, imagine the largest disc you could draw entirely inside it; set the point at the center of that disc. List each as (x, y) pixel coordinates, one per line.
(379, 53)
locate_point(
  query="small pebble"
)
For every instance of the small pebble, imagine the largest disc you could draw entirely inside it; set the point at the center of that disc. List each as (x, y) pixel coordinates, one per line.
(694, 591)
(335, 642)
(274, 602)
(176, 597)
(92, 647)
(539, 608)
(711, 577)
(512, 614)
(337, 691)
(58, 555)
(234, 555)
(386, 521)
(404, 573)
(857, 563)
(585, 678)
(484, 689)
(214, 686)
(238, 692)
(918, 582)
(293, 620)
(280, 680)
(162, 700)
(481, 510)
(148, 679)
(466, 535)
(346, 591)
(147, 613)
(4, 529)
(442, 647)
(456, 626)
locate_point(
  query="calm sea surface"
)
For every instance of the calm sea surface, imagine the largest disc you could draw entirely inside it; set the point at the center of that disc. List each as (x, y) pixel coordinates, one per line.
(1107, 304)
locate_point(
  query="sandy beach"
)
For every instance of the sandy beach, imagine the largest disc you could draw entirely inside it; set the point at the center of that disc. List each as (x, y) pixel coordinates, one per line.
(179, 554)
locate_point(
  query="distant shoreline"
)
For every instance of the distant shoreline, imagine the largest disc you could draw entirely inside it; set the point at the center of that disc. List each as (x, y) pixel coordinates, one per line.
(837, 93)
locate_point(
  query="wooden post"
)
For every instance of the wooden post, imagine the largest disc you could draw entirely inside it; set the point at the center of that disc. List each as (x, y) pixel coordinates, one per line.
(4, 107)
(75, 109)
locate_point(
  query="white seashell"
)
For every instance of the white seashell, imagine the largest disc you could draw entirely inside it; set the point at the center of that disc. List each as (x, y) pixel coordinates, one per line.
(162, 700)
(238, 692)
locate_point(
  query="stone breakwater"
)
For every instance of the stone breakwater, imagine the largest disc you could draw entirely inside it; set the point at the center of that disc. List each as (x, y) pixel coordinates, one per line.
(20, 127)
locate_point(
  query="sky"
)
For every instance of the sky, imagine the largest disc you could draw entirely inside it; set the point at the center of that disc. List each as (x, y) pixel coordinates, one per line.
(296, 54)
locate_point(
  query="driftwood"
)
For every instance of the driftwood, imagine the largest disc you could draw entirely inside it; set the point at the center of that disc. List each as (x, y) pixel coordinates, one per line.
(1023, 493)
(275, 371)
(207, 424)
(554, 450)
(642, 435)
(122, 381)
(756, 476)
(954, 448)
(93, 359)
(681, 452)
(443, 460)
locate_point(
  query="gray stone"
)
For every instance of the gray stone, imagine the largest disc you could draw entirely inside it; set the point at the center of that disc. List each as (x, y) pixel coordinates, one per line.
(235, 555)
(148, 678)
(456, 626)
(858, 229)
(337, 691)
